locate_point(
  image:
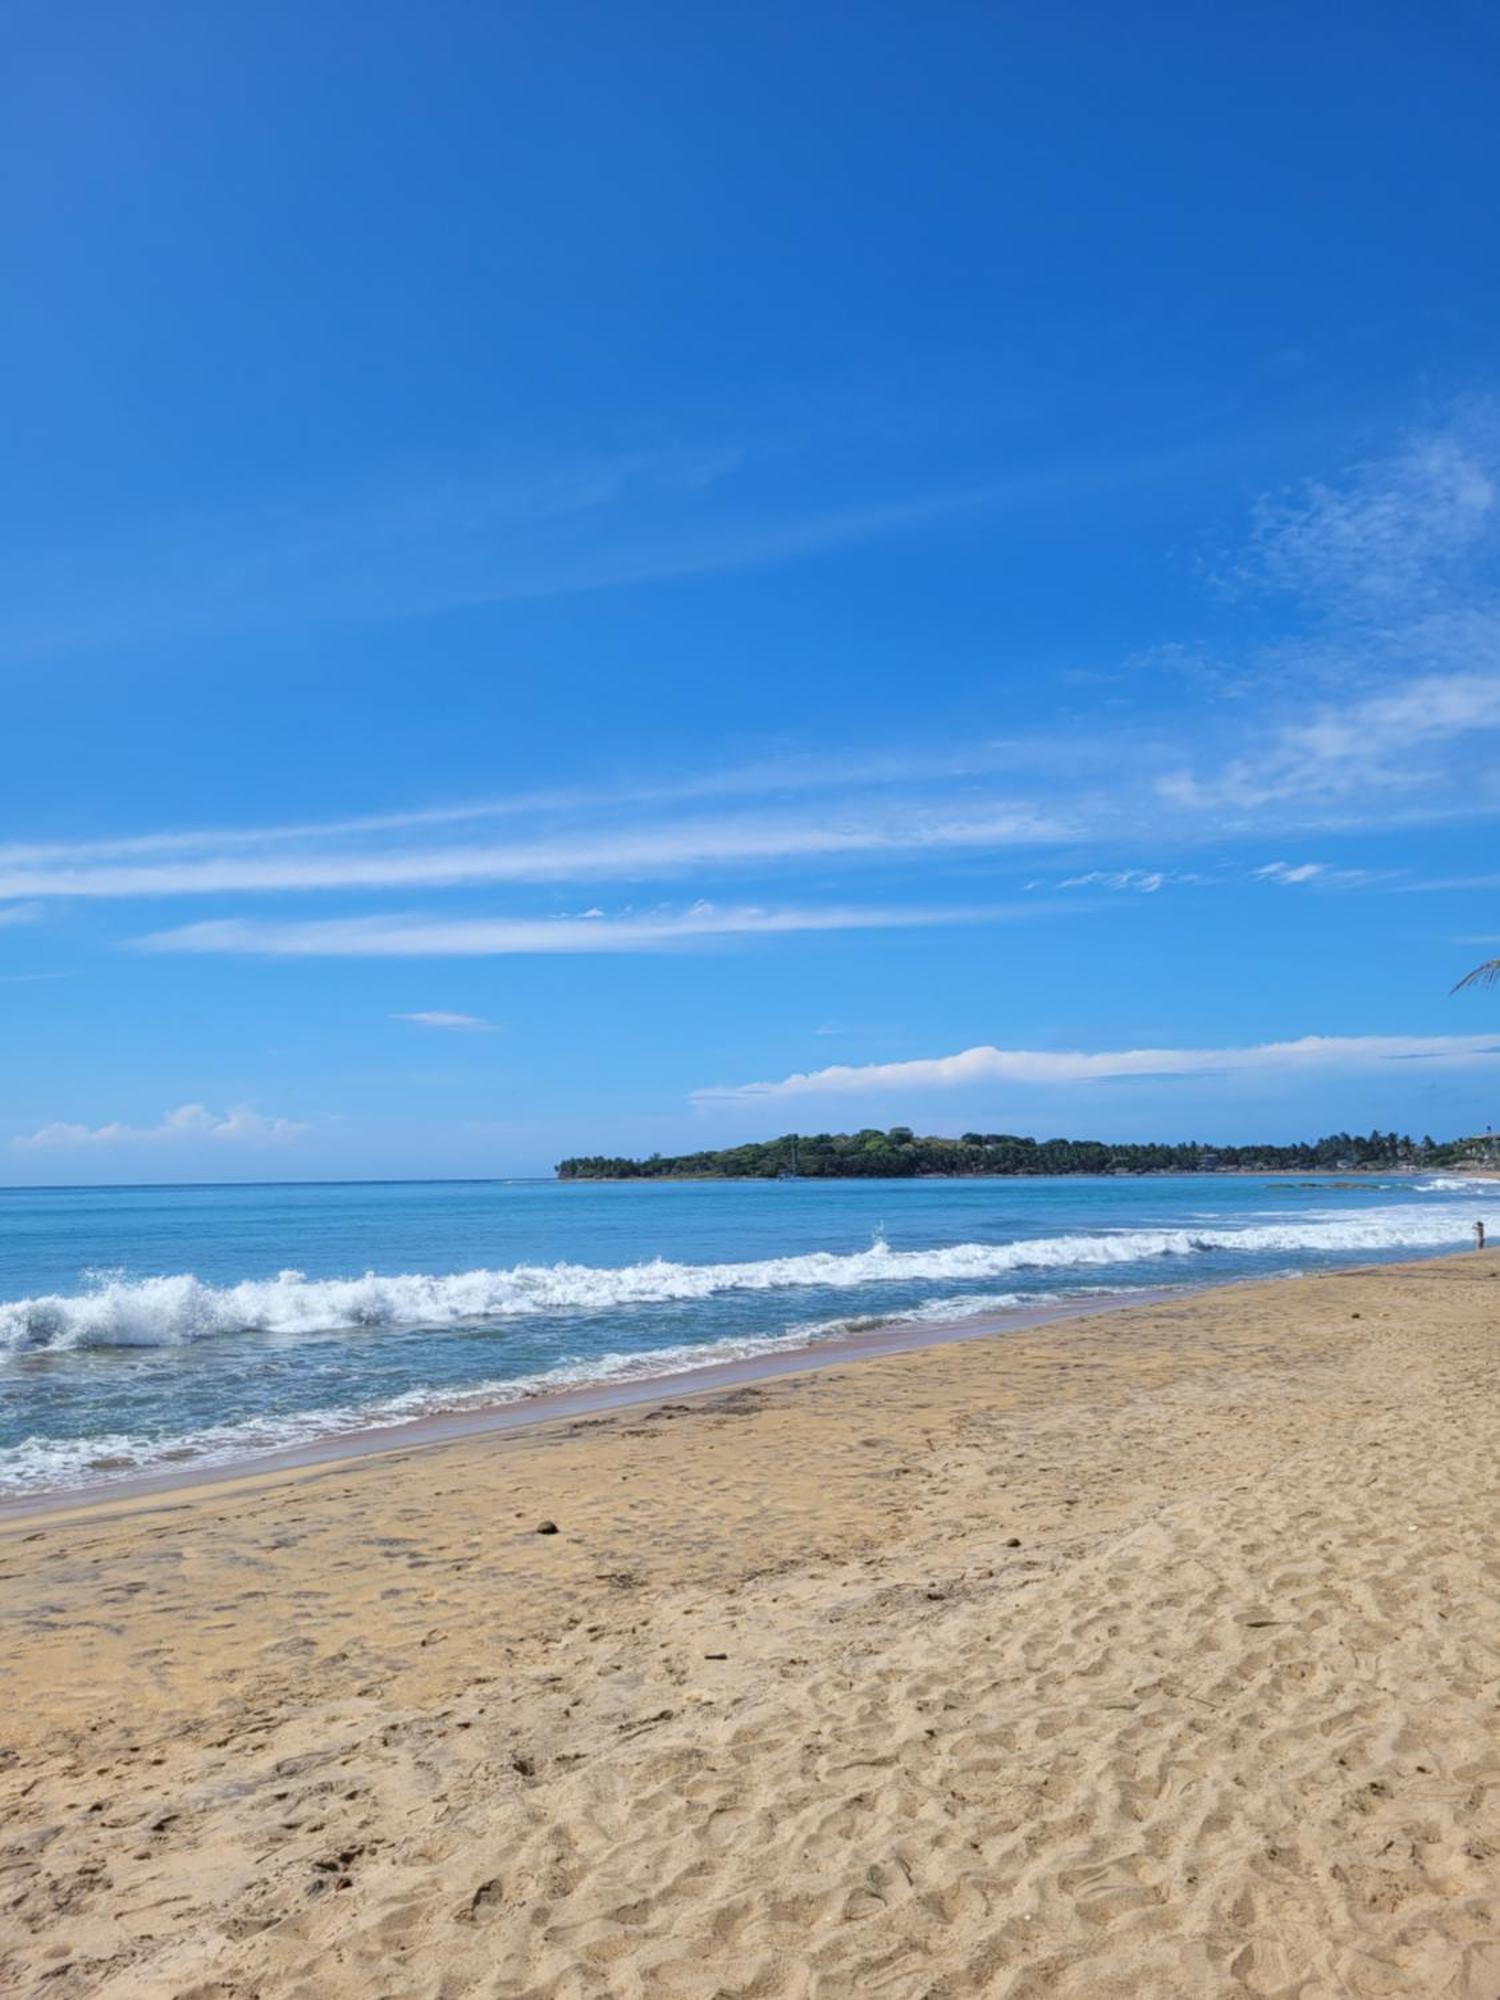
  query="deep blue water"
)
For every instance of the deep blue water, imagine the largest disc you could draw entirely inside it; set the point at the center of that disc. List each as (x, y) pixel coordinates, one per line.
(151, 1326)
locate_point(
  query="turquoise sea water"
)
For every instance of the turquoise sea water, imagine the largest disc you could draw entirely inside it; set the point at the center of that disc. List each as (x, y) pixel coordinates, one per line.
(148, 1327)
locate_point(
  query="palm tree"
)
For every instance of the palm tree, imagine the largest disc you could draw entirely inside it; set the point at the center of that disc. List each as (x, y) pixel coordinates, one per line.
(1487, 974)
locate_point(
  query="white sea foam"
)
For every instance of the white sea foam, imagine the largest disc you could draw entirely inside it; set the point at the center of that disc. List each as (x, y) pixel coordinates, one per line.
(40, 1464)
(940, 1312)
(178, 1310)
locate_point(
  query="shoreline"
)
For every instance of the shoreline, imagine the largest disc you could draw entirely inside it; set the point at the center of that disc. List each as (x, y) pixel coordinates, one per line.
(1109, 1656)
(588, 1399)
(538, 1407)
(64, 1478)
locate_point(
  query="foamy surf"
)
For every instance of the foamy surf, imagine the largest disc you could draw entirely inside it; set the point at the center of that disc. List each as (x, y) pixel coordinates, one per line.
(40, 1464)
(178, 1310)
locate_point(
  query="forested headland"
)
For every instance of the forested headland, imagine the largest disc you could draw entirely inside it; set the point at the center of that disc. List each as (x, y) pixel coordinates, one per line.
(899, 1153)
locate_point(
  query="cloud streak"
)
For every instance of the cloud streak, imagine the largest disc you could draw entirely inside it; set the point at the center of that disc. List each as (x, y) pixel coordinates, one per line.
(639, 854)
(989, 1065)
(1402, 644)
(459, 1024)
(1143, 881)
(1324, 767)
(613, 519)
(491, 937)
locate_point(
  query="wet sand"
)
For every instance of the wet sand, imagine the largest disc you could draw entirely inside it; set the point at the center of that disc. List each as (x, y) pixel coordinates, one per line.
(1155, 1653)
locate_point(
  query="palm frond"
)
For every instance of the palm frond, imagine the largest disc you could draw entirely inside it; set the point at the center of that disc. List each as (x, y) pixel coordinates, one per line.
(1487, 974)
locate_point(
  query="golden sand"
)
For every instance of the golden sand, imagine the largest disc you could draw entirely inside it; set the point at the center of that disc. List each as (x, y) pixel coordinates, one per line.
(1156, 1654)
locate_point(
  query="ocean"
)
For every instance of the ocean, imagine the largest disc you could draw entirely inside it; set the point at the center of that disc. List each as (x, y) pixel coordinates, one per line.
(143, 1329)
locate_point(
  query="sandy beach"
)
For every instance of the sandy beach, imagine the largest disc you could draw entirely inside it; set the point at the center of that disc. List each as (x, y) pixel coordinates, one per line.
(1154, 1653)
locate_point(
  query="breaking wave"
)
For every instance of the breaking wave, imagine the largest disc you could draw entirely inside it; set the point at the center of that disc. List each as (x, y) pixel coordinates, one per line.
(175, 1311)
(38, 1464)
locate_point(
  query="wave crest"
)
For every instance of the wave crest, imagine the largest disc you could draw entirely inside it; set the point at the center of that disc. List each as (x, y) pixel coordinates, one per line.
(174, 1311)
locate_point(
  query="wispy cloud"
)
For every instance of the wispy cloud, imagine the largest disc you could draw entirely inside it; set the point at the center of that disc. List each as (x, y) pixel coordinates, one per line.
(485, 937)
(989, 1065)
(615, 518)
(443, 568)
(189, 1123)
(639, 853)
(1340, 759)
(1347, 749)
(867, 774)
(1219, 875)
(462, 1024)
(1388, 684)
(406, 546)
(1393, 533)
(1443, 883)
(1141, 881)
(1384, 702)
(19, 913)
(1291, 872)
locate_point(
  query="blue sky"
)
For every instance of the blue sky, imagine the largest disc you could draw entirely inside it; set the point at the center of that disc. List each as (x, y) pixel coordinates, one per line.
(606, 579)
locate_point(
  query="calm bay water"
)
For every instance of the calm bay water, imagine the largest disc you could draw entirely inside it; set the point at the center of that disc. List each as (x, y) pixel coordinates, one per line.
(147, 1327)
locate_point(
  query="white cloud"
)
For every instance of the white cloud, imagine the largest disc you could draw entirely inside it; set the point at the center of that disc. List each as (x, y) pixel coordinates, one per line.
(478, 937)
(189, 1122)
(1391, 531)
(436, 1017)
(1396, 566)
(1143, 881)
(792, 775)
(1291, 871)
(19, 913)
(1221, 875)
(1349, 748)
(989, 1065)
(1401, 643)
(634, 853)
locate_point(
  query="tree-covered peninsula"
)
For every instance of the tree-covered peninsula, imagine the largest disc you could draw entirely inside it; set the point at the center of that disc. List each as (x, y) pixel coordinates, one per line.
(899, 1154)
